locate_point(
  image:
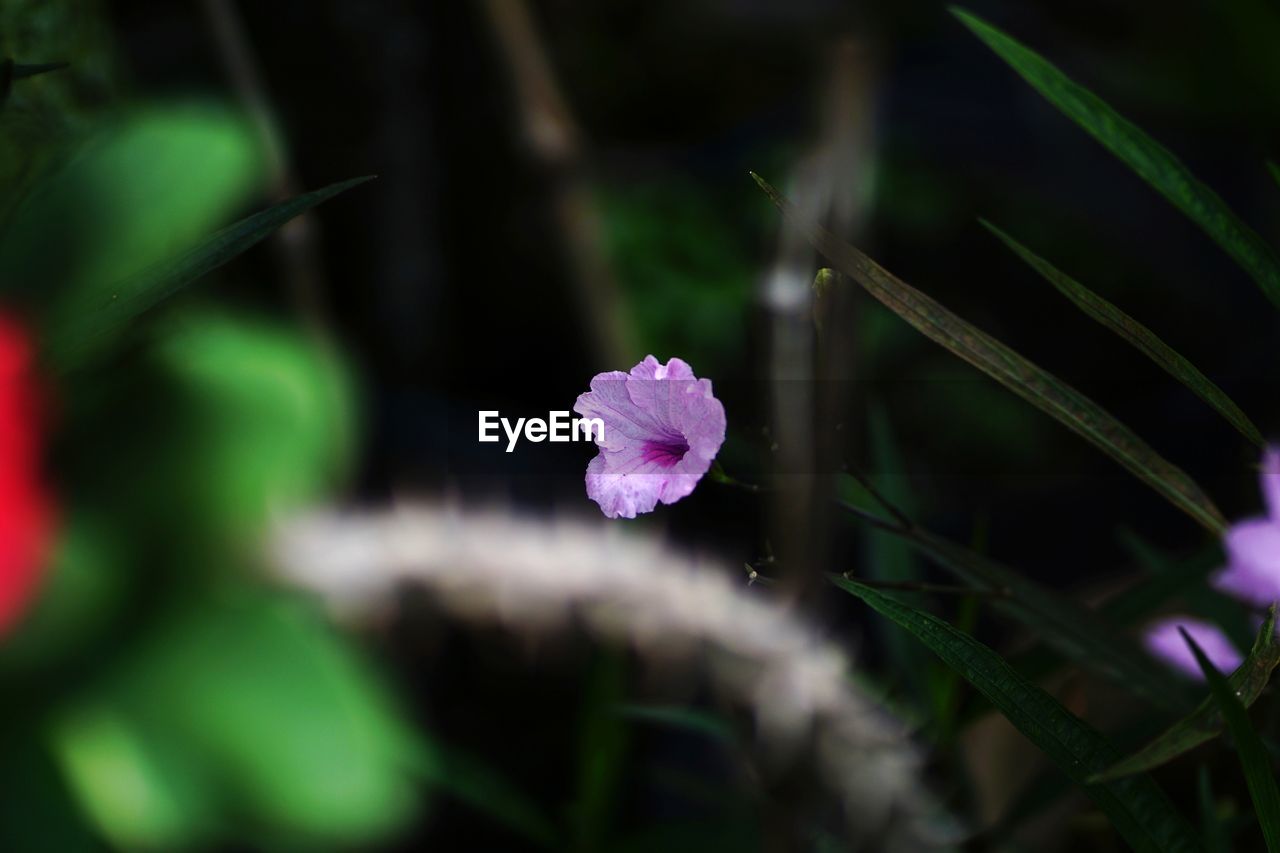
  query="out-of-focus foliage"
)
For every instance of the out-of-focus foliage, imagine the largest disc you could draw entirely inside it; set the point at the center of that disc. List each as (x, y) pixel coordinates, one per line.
(43, 116)
(239, 711)
(130, 198)
(267, 417)
(687, 275)
(166, 697)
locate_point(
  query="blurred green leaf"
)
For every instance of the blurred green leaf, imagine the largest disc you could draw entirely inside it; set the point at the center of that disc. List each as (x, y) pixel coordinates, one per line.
(1138, 335)
(1205, 722)
(138, 795)
(46, 115)
(95, 319)
(1254, 757)
(1035, 385)
(83, 587)
(1151, 160)
(145, 187)
(603, 742)
(21, 72)
(241, 712)
(685, 271)
(37, 812)
(266, 417)
(1138, 809)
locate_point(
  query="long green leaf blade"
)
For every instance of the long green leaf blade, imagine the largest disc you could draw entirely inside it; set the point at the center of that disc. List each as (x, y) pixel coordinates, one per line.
(1154, 163)
(22, 72)
(1205, 722)
(71, 340)
(1139, 810)
(1254, 757)
(1074, 631)
(1142, 338)
(1035, 385)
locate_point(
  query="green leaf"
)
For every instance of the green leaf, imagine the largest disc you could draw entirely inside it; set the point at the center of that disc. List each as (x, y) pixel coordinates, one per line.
(9, 72)
(241, 713)
(604, 739)
(1138, 335)
(1037, 386)
(1137, 807)
(1072, 630)
(73, 338)
(1205, 722)
(1254, 757)
(265, 421)
(21, 72)
(1154, 163)
(131, 194)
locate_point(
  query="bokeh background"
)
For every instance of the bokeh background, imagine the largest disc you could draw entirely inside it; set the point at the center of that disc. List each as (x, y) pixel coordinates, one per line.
(562, 188)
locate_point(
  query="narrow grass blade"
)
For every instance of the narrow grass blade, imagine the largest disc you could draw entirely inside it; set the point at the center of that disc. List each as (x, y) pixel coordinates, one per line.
(1138, 335)
(1138, 809)
(72, 339)
(1254, 757)
(1074, 631)
(1205, 722)
(21, 72)
(1154, 163)
(689, 720)
(1033, 384)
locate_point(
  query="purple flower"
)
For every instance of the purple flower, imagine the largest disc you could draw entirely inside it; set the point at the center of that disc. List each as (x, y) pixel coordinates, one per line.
(1164, 642)
(1252, 573)
(662, 428)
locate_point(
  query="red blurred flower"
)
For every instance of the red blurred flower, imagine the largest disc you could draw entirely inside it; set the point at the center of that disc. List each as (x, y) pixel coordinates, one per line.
(26, 510)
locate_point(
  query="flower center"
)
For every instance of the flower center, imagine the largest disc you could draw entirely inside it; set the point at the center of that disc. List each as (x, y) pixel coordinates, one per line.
(666, 452)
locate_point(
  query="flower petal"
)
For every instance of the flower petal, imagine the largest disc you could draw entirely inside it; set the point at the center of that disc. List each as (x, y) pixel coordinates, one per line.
(663, 428)
(1254, 545)
(624, 422)
(622, 490)
(1163, 641)
(1239, 581)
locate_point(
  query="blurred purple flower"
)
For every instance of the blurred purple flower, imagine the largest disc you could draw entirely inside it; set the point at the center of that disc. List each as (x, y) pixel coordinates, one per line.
(662, 429)
(1164, 642)
(1252, 573)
